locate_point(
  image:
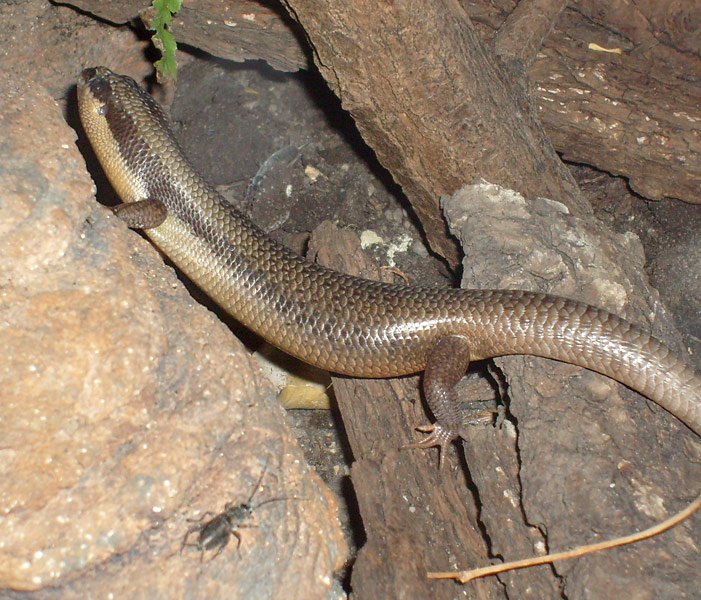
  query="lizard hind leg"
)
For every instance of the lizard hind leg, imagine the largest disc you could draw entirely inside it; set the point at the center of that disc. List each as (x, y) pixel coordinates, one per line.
(446, 365)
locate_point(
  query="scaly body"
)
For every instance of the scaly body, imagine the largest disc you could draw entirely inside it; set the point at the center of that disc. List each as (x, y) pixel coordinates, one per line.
(346, 324)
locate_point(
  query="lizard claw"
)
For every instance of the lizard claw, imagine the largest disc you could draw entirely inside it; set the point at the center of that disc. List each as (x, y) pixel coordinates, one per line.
(438, 436)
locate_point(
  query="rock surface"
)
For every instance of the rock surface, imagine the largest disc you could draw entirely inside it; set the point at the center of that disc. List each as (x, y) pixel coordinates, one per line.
(126, 408)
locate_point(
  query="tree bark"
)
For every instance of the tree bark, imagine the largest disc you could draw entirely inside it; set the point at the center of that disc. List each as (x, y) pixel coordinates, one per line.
(522, 34)
(453, 117)
(616, 83)
(415, 517)
(435, 105)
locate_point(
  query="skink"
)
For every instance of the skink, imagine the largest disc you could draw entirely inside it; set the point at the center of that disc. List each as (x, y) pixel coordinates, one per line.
(342, 323)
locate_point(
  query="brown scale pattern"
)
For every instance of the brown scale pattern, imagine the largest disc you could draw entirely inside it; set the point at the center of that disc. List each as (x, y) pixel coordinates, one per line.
(342, 323)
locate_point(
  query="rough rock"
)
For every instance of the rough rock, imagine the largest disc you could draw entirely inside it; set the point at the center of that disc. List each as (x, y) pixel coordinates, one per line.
(126, 407)
(51, 44)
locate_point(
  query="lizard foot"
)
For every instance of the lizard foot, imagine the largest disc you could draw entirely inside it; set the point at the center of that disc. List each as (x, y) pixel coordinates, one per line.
(438, 436)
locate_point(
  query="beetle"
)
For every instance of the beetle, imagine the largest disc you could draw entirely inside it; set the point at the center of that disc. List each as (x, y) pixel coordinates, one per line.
(217, 531)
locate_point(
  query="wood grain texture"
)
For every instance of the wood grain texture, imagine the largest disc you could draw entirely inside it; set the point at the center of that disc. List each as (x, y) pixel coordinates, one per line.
(632, 112)
(414, 517)
(453, 115)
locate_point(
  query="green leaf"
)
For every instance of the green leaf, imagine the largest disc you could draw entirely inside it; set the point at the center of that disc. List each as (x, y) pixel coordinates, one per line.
(163, 39)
